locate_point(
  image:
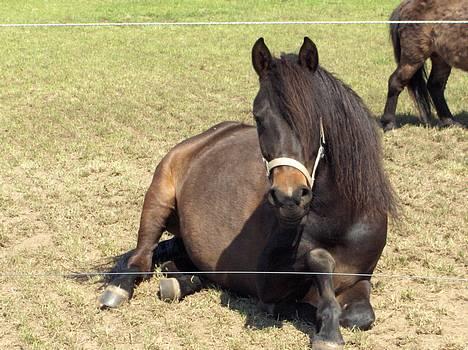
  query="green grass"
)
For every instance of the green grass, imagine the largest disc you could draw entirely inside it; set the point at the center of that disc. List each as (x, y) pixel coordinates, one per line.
(86, 114)
(62, 11)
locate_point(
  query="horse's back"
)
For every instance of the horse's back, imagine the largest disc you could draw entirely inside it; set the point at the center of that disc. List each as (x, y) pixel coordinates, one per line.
(449, 41)
(221, 215)
(432, 10)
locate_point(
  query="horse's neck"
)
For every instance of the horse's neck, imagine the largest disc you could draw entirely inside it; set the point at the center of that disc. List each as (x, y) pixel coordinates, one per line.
(287, 237)
(326, 200)
(329, 215)
(324, 229)
(282, 246)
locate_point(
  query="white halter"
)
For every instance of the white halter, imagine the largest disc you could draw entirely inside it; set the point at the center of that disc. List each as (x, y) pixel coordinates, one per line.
(285, 161)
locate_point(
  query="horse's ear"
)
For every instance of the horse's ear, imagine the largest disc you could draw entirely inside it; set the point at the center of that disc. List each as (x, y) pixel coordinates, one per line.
(261, 57)
(308, 55)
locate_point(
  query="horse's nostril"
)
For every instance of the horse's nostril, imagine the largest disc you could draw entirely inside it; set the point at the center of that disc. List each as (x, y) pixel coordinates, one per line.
(278, 198)
(300, 197)
(272, 197)
(305, 195)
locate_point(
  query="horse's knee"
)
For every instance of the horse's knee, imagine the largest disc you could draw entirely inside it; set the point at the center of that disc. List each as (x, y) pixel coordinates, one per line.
(401, 77)
(329, 312)
(395, 84)
(320, 260)
(358, 315)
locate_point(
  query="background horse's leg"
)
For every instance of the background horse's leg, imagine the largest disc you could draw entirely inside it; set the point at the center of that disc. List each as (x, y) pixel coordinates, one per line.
(396, 83)
(176, 286)
(356, 309)
(440, 73)
(328, 310)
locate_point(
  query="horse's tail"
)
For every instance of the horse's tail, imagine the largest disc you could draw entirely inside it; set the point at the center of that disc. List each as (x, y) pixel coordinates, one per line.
(111, 269)
(394, 36)
(417, 86)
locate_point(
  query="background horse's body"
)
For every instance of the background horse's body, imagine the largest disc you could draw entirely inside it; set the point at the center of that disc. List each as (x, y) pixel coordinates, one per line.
(445, 44)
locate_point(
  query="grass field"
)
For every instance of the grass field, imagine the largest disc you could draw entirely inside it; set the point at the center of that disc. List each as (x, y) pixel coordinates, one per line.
(87, 113)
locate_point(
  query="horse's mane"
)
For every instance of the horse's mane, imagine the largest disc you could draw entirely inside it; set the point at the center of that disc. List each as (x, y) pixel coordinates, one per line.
(353, 146)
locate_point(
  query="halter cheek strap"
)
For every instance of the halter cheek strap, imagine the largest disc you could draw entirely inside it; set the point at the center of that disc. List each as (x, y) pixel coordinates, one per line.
(285, 161)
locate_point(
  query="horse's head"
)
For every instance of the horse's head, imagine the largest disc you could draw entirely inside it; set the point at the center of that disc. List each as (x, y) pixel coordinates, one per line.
(289, 163)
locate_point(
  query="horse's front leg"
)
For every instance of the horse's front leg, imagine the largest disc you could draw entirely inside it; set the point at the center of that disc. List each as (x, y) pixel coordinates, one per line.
(328, 310)
(357, 309)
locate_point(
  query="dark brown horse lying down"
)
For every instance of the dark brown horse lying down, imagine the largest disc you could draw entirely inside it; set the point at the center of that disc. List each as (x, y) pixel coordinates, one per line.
(211, 192)
(445, 44)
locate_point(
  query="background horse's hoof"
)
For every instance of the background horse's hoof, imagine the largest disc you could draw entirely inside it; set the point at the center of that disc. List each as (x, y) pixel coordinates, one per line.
(169, 289)
(389, 126)
(113, 297)
(326, 345)
(447, 122)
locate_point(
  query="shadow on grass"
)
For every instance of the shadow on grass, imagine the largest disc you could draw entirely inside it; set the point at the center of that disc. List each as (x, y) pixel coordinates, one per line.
(409, 119)
(301, 316)
(462, 118)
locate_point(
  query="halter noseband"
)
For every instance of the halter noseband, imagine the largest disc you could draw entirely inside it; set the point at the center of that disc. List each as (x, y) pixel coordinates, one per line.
(285, 161)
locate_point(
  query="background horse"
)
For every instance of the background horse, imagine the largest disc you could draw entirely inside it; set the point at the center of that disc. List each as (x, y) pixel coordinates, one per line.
(211, 192)
(445, 44)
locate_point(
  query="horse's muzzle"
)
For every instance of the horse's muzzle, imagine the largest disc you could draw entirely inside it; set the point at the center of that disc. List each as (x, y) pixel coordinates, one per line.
(293, 207)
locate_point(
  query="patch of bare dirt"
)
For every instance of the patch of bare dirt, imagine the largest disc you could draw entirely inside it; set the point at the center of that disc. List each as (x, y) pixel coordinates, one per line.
(30, 244)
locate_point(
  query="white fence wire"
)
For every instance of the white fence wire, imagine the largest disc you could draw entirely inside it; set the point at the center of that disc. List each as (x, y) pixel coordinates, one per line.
(228, 23)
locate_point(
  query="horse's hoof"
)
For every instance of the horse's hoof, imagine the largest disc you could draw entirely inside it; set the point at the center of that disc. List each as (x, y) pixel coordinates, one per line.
(326, 345)
(113, 297)
(389, 126)
(448, 122)
(169, 289)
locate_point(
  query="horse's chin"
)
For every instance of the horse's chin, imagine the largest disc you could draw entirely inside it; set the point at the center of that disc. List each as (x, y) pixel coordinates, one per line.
(291, 217)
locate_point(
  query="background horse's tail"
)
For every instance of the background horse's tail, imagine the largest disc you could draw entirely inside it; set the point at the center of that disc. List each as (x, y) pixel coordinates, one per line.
(394, 33)
(417, 86)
